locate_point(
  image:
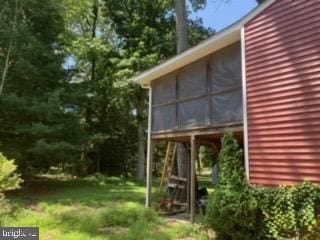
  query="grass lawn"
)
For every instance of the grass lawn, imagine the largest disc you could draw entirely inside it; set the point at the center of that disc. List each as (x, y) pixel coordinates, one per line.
(93, 208)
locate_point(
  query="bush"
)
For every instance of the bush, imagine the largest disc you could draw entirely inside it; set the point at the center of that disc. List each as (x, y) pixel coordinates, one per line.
(289, 211)
(9, 180)
(233, 208)
(237, 211)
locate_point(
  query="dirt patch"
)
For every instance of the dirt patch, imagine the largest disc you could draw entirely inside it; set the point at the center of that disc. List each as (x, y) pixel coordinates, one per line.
(35, 207)
(113, 230)
(187, 238)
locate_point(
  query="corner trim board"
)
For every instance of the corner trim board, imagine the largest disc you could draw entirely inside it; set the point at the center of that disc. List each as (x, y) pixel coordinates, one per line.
(244, 104)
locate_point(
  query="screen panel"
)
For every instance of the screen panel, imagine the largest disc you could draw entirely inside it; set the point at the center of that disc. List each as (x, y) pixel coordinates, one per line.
(192, 80)
(226, 68)
(164, 90)
(193, 113)
(227, 107)
(164, 117)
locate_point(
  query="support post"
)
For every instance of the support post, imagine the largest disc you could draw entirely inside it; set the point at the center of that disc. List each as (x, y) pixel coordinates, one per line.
(193, 153)
(188, 181)
(149, 173)
(150, 149)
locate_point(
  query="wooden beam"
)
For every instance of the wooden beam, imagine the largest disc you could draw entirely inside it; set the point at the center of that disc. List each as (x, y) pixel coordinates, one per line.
(201, 131)
(193, 178)
(181, 100)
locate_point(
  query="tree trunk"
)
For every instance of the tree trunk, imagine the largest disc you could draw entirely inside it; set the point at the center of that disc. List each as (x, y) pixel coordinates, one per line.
(181, 25)
(182, 44)
(83, 161)
(182, 160)
(8, 56)
(199, 165)
(6, 68)
(95, 12)
(98, 153)
(141, 143)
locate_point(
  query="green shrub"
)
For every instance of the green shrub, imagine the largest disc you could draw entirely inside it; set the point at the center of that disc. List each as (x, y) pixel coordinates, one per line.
(238, 211)
(289, 211)
(233, 208)
(9, 180)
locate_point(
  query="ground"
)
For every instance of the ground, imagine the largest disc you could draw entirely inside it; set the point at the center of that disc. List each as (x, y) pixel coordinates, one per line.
(93, 208)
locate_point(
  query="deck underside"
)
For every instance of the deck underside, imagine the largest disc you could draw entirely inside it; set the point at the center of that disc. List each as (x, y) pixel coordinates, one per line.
(202, 135)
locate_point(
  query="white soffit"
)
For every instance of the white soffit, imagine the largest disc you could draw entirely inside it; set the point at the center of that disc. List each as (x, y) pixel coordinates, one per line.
(218, 41)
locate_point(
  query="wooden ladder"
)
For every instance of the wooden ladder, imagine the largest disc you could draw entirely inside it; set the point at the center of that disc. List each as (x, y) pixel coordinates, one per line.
(168, 164)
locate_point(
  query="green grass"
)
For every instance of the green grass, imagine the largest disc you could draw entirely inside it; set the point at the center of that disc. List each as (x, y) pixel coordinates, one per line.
(92, 208)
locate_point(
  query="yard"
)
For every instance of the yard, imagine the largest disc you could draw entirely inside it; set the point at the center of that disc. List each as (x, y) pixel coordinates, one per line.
(93, 208)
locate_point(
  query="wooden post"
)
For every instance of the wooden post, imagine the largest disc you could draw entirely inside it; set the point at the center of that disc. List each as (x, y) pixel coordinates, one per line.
(150, 149)
(149, 173)
(188, 181)
(192, 178)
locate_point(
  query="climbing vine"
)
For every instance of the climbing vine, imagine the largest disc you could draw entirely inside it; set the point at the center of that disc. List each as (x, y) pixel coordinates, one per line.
(290, 211)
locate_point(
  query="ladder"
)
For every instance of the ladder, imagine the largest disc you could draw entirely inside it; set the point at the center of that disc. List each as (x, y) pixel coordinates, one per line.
(168, 164)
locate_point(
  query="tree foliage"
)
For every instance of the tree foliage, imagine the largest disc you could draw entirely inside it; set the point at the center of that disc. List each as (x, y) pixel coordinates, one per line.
(40, 128)
(9, 180)
(66, 65)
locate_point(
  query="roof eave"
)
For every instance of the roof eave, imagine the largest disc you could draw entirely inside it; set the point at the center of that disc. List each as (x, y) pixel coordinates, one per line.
(212, 44)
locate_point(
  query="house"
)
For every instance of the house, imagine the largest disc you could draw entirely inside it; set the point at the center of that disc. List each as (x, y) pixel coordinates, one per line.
(260, 78)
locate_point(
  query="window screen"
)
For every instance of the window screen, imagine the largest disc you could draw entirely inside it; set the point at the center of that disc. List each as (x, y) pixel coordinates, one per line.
(164, 90)
(193, 112)
(192, 80)
(226, 68)
(164, 117)
(227, 107)
(226, 80)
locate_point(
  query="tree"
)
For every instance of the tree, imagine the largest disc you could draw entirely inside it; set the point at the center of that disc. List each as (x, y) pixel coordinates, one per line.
(39, 127)
(11, 31)
(103, 101)
(182, 44)
(181, 25)
(146, 33)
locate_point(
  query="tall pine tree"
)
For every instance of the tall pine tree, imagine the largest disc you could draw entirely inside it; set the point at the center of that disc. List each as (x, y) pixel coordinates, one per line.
(38, 126)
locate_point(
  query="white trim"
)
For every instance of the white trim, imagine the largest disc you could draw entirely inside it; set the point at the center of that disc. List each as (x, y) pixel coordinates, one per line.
(244, 104)
(149, 153)
(212, 44)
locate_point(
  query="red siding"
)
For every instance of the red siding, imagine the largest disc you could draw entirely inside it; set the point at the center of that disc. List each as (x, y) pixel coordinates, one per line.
(283, 93)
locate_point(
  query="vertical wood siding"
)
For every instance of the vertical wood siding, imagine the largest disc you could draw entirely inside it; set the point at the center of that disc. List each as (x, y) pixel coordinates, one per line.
(283, 93)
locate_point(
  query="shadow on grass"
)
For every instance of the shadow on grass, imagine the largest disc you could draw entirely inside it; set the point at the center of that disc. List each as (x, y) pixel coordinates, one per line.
(92, 208)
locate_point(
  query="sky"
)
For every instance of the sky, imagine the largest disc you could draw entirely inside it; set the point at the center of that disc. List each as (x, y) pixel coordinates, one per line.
(219, 14)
